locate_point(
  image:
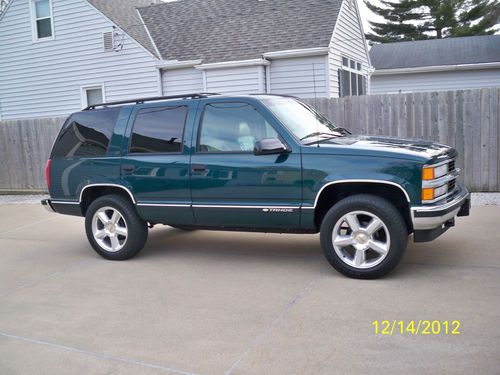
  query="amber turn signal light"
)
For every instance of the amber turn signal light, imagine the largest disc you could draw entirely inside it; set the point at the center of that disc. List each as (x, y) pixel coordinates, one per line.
(427, 194)
(428, 173)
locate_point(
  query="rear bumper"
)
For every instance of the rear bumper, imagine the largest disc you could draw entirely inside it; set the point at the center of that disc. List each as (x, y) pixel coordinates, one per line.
(431, 221)
(48, 205)
(62, 207)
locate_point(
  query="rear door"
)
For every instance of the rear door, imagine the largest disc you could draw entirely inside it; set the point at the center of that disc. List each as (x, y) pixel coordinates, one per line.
(156, 163)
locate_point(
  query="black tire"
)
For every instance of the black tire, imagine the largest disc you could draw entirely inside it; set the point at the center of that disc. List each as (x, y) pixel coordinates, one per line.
(137, 229)
(383, 210)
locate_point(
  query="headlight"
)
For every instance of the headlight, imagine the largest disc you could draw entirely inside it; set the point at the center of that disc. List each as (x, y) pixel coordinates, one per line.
(431, 173)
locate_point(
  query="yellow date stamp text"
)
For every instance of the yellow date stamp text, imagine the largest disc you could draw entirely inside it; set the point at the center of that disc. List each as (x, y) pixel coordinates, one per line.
(416, 327)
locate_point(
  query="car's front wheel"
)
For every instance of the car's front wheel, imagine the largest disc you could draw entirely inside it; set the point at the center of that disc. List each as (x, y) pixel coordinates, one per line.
(114, 229)
(363, 236)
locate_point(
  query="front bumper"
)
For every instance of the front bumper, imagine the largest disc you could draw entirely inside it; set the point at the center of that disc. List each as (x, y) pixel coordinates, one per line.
(431, 221)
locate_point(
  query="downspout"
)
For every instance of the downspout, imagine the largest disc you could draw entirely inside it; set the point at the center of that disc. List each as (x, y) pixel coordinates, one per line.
(160, 81)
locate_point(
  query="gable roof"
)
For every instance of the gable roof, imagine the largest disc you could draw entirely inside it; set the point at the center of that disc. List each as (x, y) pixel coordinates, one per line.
(125, 15)
(436, 52)
(231, 30)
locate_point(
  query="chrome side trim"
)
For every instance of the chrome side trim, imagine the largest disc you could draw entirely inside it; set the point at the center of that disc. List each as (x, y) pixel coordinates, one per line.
(355, 181)
(256, 207)
(141, 204)
(162, 205)
(113, 185)
(64, 202)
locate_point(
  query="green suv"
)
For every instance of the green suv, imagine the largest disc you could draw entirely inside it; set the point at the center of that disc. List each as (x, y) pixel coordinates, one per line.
(260, 163)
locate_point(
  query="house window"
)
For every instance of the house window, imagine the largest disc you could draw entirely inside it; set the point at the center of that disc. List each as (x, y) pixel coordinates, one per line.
(352, 82)
(92, 95)
(42, 20)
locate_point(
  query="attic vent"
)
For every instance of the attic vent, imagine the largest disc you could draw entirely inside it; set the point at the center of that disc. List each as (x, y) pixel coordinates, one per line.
(108, 41)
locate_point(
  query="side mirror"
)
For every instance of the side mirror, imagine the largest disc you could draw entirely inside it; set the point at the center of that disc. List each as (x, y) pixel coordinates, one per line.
(269, 146)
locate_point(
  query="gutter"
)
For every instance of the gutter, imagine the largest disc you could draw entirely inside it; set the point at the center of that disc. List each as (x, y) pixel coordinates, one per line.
(174, 64)
(233, 64)
(318, 51)
(436, 68)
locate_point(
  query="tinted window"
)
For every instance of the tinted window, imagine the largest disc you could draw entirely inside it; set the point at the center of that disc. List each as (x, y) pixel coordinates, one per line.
(158, 130)
(86, 133)
(232, 127)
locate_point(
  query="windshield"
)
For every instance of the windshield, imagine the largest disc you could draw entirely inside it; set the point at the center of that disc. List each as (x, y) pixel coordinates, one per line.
(299, 118)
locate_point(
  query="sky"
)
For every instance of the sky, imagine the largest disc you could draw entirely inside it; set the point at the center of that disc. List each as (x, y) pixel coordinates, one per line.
(364, 13)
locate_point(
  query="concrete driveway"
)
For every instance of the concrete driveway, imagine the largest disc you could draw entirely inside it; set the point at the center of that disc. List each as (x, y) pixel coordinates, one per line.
(235, 303)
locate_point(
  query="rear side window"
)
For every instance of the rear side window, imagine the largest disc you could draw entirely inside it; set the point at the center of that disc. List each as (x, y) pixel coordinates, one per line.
(86, 133)
(158, 130)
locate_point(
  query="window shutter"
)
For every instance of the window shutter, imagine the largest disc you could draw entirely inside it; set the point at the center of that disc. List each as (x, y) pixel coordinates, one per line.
(108, 42)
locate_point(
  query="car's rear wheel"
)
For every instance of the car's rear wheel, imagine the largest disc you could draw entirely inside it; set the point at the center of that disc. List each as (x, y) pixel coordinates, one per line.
(364, 236)
(114, 229)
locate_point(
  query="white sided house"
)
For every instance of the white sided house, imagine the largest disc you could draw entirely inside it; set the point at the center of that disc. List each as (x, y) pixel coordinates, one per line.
(436, 65)
(58, 56)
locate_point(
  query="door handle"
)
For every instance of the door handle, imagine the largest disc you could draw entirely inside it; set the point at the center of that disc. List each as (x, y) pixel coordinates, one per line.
(128, 168)
(198, 168)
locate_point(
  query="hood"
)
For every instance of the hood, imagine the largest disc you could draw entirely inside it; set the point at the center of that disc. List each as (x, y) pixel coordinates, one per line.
(393, 147)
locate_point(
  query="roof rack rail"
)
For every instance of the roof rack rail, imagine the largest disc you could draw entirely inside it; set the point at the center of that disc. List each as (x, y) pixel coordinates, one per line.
(200, 95)
(278, 95)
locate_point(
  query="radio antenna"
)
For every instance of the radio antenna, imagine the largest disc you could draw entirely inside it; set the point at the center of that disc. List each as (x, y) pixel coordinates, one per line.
(315, 99)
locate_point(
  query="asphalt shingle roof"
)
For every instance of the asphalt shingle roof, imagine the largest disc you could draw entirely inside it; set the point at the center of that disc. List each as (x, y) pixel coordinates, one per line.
(124, 14)
(229, 30)
(436, 52)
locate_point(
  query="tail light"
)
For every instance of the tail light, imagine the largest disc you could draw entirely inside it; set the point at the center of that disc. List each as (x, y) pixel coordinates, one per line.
(47, 173)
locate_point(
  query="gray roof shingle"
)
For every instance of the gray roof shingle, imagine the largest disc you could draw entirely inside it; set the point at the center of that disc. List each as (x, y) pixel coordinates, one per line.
(124, 14)
(436, 52)
(229, 30)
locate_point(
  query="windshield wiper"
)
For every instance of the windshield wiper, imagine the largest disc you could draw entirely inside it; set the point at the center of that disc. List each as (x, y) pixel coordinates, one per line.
(322, 140)
(315, 134)
(343, 130)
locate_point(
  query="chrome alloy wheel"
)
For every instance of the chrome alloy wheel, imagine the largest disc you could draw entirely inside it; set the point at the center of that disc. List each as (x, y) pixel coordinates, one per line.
(361, 239)
(109, 229)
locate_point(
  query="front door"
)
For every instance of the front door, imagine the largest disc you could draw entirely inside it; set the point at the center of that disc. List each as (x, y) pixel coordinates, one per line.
(232, 187)
(156, 165)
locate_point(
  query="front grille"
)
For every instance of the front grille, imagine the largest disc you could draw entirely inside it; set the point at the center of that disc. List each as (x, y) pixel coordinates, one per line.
(451, 185)
(451, 166)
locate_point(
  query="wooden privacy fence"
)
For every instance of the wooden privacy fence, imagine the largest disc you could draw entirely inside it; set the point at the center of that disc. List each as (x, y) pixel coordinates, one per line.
(24, 148)
(468, 120)
(465, 119)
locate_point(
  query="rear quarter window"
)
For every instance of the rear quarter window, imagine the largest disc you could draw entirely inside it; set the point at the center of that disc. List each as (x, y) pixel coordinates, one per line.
(158, 130)
(86, 133)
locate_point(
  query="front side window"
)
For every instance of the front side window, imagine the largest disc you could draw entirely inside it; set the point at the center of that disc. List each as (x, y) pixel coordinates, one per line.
(232, 127)
(42, 19)
(86, 133)
(158, 130)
